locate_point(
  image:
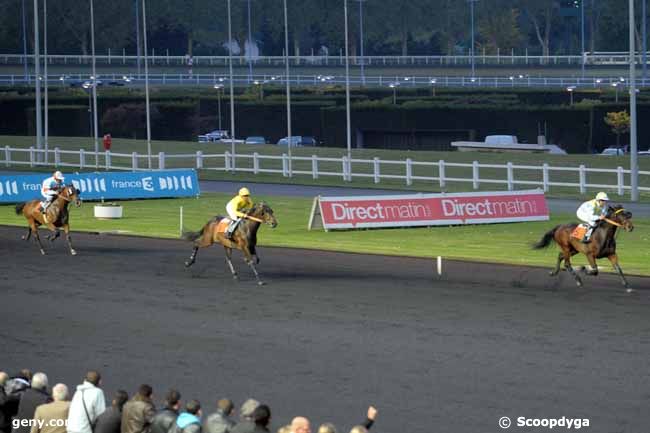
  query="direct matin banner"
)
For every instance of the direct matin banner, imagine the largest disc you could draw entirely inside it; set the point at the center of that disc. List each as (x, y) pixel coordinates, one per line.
(105, 185)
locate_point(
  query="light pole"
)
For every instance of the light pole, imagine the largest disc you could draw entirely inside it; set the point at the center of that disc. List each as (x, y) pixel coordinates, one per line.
(86, 86)
(615, 86)
(24, 42)
(137, 34)
(644, 39)
(433, 82)
(471, 4)
(570, 89)
(347, 84)
(582, 35)
(363, 61)
(37, 81)
(288, 85)
(232, 92)
(394, 87)
(219, 87)
(146, 83)
(634, 166)
(94, 80)
(47, 123)
(250, 45)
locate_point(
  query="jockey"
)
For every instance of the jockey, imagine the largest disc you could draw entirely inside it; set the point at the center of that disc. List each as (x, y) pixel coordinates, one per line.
(241, 202)
(591, 212)
(50, 189)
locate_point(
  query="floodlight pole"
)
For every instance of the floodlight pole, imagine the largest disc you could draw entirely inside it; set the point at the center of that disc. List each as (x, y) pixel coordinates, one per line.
(288, 84)
(582, 35)
(146, 83)
(347, 84)
(47, 122)
(634, 167)
(250, 44)
(94, 81)
(37, 81)
(24, 42)
(232, 92)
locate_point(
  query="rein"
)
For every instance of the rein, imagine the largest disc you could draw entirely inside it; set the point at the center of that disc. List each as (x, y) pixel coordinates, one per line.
(252, 218)
(614, 223)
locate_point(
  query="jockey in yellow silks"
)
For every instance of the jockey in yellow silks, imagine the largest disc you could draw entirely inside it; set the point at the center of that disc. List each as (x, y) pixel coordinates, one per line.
(591, 212)
(236, 207)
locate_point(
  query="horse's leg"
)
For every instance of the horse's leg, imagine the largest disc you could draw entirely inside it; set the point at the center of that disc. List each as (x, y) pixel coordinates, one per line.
(594, 266)
(38, 238)
(567, 265)
(189, 262)
(555, 271)
(248, 258)
(66, 229)
(53, 236)
(28, 235)
(229, 261)
(614, 261)
(204, 241)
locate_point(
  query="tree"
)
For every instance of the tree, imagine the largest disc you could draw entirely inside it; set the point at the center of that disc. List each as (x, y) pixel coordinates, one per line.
(500, 30)
(541, 14)
(619, 121)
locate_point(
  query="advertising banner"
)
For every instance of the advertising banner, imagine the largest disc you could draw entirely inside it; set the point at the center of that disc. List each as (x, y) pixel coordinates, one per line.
(429, 209)
(105, 185)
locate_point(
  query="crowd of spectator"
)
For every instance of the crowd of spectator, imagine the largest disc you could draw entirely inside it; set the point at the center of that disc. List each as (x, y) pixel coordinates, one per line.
(28, 406)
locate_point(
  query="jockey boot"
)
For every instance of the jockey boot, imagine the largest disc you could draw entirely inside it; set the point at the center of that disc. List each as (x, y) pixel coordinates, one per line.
(587, 237)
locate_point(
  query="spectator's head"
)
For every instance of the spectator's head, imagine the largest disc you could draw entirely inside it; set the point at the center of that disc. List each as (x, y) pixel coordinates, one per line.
(262, 415)
(247, 409)
(285, 429)
(173, 400)
(225, 406)
(359, 429)
(24, 374)
(94, 377)
(145, 391)
(39, 381)
(3, 378)
(59, 392)
(328, 427)
(193, 407)
(119, 399)
(300, 424)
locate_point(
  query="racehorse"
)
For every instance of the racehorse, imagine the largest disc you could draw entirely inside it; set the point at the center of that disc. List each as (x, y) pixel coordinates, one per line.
(244, 237)
(56, 216)
(602, 244)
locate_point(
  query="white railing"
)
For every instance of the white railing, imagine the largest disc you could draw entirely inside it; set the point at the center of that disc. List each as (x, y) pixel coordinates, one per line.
(439, 173)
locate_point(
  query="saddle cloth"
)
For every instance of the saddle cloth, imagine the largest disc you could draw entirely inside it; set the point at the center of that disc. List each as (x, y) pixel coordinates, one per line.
(579, 231)
(222, 225)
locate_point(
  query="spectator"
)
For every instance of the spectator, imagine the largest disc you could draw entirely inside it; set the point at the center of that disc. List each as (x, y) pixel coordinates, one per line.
(5, 419)
(262, 418)
(359, 429)
(300, 424)
(111, 420)
(327, 427)
(139, 412)
(220, 421)
(51, 417)
(87, 404)
(285, 429)
(164, 420)
(31, 399)
(14, 388)
(246, 423)
(190, 420)
(370, 419)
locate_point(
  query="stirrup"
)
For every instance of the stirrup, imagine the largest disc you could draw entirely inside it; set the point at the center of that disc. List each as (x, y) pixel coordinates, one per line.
(586, 240)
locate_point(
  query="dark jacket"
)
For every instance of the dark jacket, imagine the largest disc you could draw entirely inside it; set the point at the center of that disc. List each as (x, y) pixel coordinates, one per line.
(247, 426)
(187, 423)
(163, 421)
(15, 387)
(110, 421)
(30, 399)
(5, 418)
(218, 422)
(137, 415)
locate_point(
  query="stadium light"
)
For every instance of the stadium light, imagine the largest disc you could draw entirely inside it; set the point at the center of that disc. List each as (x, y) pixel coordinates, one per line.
(433, 82)
(218, 87)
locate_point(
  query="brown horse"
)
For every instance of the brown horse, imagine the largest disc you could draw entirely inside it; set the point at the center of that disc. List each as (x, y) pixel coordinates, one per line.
(244, 237)
(603, 243)
(56, 217)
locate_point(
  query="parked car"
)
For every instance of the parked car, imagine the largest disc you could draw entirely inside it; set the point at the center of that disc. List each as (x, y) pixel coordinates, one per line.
(213, 136)
(255, 139)
(613, 151)
(644, 153)
(298, 141)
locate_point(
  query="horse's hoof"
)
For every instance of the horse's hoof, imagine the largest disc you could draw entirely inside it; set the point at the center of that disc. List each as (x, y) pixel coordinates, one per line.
(43, 252)
(188, 264)
(235, 277)
(73, 252)
(579, 283)
(552, 273)
(261, 283)
(629, 290)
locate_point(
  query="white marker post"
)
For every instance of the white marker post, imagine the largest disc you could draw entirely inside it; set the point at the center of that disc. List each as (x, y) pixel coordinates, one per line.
(439, 265)
(180, 228)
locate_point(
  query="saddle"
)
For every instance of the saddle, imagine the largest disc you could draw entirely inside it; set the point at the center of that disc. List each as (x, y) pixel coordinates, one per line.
(580, 231)
(222, 225)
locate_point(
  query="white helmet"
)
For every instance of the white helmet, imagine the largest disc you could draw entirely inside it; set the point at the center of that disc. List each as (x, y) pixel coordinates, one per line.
(602, 196)
(58, 176)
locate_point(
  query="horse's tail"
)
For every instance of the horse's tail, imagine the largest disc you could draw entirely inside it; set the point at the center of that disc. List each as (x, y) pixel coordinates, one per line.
(192, 236)
(19, 208)
(545, 241)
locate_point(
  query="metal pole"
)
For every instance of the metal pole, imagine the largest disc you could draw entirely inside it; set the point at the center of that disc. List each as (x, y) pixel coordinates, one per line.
(94, 81)
(582, 35)
(219, 102)
(137, 33)
(232, 92)
(645, 41)
(288, 86)
(24, 42)
(347, 83)
(471, 2)
(363, 73)
(146, 82)
(250, 45)
(37, 82)
(634, 167)
(47, 123)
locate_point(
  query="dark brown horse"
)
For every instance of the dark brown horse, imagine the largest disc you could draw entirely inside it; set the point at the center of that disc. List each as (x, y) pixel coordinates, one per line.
(603, 243)
(56, 216)
(244, 237)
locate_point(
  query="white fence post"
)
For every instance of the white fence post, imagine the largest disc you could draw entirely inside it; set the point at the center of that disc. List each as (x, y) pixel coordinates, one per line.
(7, 156)
(57, 157)
(511, 177)
(82, 159)
(256, 163)
(583, 179)
(475, 174)
(226, 160)
(409, 171)
(441, 173)
(161, 160)
(344, 167)
(545, 176)
(349, 169)
(199, 159)
(285, 165)
(31, 156)
(375, 166)
(621, 180)
(134, 161)
(314, 167)
(108, 159)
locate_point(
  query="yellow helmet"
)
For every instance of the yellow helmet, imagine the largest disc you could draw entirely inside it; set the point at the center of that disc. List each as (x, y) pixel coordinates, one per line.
(244, 192)
(602, 196)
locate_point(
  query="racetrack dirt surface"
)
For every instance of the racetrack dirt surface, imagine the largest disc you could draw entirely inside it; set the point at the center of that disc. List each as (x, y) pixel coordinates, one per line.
(331, 333)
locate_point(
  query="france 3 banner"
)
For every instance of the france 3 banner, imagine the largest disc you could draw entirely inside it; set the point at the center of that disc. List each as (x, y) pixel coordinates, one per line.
(429, 209)
(105, 185)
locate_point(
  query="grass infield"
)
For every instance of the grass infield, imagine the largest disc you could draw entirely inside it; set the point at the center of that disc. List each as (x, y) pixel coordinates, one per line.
(498, 243)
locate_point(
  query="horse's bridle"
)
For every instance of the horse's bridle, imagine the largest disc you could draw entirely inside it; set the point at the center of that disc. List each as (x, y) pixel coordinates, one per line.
(614, 223)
